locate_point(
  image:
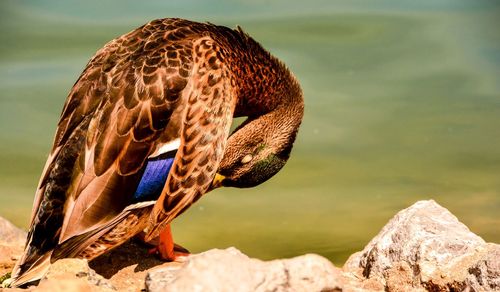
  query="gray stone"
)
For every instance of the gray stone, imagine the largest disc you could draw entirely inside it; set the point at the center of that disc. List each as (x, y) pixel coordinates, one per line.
(231, 270)
(426, 247)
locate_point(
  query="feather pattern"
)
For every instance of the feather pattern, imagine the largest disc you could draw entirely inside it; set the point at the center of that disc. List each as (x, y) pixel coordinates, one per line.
(142, 134)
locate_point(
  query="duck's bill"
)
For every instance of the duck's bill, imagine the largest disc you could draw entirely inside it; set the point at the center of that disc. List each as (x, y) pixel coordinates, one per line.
(217, 182)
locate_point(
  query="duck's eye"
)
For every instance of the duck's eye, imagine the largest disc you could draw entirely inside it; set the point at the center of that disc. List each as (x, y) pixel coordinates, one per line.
(246, 159)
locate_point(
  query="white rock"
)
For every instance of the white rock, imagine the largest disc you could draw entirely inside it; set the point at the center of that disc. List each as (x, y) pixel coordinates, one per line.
(425, 246)
(231, 270)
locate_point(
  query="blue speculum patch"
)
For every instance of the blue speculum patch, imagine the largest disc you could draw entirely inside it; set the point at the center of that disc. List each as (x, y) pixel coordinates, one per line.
(153, 178)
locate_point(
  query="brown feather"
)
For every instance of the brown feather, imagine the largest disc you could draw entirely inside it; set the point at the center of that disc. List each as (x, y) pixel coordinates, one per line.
(166, 80)
(186, 169)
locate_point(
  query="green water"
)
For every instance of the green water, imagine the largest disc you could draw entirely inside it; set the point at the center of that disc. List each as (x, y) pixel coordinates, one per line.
(402, 104)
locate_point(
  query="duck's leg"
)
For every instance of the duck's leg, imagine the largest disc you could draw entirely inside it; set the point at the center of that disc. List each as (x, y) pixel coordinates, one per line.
(166, 247)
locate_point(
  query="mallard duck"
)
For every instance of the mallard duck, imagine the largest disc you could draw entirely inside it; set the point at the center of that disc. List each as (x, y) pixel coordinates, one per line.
(145, 132)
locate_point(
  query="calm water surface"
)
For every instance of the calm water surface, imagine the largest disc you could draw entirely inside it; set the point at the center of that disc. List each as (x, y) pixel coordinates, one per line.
(402, 104)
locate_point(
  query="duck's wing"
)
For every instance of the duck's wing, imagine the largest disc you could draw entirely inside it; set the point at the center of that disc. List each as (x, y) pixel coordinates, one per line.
(205, 122)
(205, 128)
(127, 103)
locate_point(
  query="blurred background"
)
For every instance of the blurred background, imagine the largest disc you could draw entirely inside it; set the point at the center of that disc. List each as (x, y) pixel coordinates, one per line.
(402, 104)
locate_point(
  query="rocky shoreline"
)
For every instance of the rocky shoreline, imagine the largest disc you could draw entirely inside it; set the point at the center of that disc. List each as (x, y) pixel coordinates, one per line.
(422, 248)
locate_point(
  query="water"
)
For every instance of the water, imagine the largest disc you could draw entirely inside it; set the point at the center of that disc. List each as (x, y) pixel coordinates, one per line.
(402, 104)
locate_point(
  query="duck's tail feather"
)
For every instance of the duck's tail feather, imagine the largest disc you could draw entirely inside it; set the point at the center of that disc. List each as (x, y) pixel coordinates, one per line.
(131, 221)
(26, 271)
(91, 244)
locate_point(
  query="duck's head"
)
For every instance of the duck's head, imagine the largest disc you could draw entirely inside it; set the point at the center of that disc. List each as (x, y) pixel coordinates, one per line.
(259, 148)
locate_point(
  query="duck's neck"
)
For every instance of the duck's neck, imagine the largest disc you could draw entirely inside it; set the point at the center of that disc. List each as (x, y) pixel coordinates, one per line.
(265, 85)
(272, 100)
(280, 125)
(267, 92)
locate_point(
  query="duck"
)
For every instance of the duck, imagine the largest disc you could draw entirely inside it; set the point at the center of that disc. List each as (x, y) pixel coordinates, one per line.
(145, 132)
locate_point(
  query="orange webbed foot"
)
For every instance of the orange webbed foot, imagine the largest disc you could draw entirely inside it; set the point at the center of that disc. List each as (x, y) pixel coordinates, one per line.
(167, 249)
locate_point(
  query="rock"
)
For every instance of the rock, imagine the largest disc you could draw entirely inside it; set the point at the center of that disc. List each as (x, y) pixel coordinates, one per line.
(67, 272)
(11, 245)
(10, 234)
(231, 270)
(126, 266)
(64, 285)
(426, 247)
